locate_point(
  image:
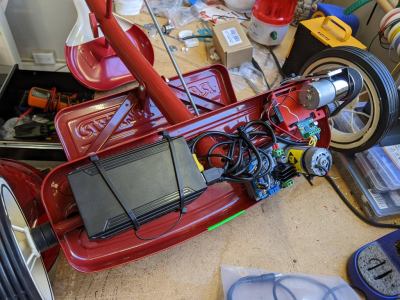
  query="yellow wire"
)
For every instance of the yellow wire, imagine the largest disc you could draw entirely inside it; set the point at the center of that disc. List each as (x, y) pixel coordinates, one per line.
(313, 141)
(395, 69)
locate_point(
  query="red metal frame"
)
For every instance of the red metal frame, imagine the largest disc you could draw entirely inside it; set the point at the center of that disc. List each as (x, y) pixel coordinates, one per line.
(214, 205)
(217, 203)
(144, 72)
(79, 126)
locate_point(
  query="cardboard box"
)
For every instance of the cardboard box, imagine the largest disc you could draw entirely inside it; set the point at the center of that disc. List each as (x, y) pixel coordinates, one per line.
(232, 44)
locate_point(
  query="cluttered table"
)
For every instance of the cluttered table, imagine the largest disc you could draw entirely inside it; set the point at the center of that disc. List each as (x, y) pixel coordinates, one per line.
(304, 229)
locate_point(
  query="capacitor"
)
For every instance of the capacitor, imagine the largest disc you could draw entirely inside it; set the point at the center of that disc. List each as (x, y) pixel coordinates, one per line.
(310, 160)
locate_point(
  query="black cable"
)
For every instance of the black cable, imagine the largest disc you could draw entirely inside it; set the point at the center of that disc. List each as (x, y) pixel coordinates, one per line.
(162, 234)
(239, 150)
(258, 67)
(290, 142)
(372, 13)
(278, 64)
(205, 36)
(381, 35)
(361, 216)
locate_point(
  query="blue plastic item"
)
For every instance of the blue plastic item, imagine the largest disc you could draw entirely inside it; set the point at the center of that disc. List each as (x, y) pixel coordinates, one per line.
(338, 11)
(375, 268)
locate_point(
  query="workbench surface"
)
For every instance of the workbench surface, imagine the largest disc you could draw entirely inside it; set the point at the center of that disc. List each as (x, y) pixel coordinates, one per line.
(303, 229)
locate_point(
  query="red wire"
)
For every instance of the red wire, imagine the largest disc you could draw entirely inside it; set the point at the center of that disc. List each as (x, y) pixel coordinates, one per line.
(275, 125)
(23, 115)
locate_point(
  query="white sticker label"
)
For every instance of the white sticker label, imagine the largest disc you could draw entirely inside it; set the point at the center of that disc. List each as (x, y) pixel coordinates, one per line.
(232, 36)
(379, 200)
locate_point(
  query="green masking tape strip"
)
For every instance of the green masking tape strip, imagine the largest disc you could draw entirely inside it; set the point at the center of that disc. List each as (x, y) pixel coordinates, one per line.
(215, 226)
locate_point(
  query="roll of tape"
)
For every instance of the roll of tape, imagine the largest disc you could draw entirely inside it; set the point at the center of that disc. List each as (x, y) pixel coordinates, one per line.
(390, 23)
(386, 17)
(393, 32)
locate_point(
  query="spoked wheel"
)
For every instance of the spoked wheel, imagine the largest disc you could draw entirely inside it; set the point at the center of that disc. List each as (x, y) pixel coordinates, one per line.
(368, 118)
(23, 274)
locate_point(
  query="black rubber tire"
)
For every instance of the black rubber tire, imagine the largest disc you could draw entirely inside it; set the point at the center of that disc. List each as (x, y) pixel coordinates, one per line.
(383, 83)
(16, 282)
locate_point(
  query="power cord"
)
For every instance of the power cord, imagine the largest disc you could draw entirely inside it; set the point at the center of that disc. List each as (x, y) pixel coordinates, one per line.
(278, 64)
(239, 150)
(358, 214)
(258, 67)
(162, 234)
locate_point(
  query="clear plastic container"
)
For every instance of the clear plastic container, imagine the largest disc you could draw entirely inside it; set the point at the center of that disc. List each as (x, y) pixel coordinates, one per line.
(382, 205)
(381, 172)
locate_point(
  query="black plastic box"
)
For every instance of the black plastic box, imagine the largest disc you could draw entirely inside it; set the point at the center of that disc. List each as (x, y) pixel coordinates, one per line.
(146, 182)
(13, 86)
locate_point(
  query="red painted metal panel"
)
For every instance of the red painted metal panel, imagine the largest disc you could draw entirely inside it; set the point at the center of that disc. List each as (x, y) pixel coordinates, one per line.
(138, 65)
(96, 65)
(217, 203)
(80, 125)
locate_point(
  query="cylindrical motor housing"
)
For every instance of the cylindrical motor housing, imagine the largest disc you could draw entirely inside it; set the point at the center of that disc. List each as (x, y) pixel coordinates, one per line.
(316, 94)
(341, 84)
(310, 160)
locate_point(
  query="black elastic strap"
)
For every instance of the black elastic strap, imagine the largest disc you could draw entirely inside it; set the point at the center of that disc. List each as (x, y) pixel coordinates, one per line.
(100, 168)
(178, 176)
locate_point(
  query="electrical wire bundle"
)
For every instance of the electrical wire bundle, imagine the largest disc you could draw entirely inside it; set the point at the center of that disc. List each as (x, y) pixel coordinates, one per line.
(389, 32)
(272, 105)
(237, 150)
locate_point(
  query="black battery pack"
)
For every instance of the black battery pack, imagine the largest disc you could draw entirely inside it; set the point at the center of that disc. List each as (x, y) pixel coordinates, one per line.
(145, 182)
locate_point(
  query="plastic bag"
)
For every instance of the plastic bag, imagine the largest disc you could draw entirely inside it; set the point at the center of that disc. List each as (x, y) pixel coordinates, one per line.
(254, 77)
(160, 7)
(181, 16)
(242, 284)
(268, 65)
(7, 131)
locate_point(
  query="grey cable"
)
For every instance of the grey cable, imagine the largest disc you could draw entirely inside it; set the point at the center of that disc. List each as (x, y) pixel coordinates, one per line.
(171, 56)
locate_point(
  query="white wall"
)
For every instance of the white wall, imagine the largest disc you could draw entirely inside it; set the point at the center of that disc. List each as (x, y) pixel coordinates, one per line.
(8, 49)
(40, 24)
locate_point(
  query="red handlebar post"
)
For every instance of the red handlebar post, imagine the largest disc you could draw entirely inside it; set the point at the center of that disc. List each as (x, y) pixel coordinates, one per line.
(167, 102)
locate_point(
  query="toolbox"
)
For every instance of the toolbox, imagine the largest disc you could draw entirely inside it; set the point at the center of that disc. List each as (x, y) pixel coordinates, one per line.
(313, 36)
(13, 84)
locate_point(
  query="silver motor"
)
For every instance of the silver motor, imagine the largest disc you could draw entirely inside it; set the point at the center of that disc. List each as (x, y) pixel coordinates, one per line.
(339, 85)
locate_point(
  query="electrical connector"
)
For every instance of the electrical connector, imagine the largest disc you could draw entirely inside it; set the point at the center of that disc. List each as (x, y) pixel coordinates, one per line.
(213, 175)
(278, 153)
(287, 183)
(308, 128)
(198, 163)
(274, 190)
